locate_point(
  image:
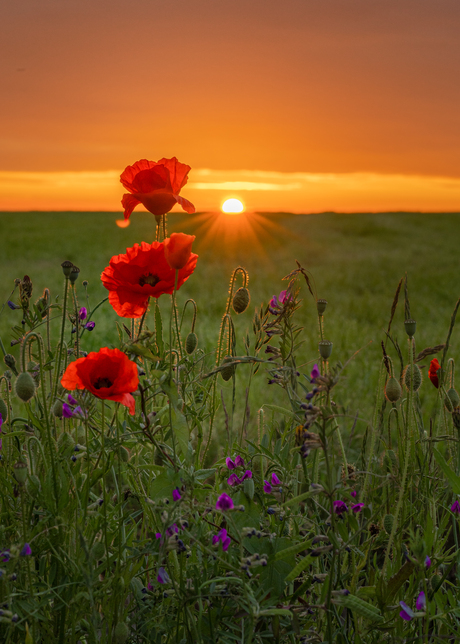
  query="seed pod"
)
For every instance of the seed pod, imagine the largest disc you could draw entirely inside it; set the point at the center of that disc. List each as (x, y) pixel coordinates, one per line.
(359, 606)
(388, 521)
(20, 472)
(393, 390)
(456, 417)
(228, 372)
(3, 410)
(452, 400)
(10, 362)
(66, 267)
(321, 306)
(25, 386)
(241, 300)
(413, 374)
(74, 273)
(57, 408)
(120, 633)
(325, 349)
(191, 343)
(410, 327)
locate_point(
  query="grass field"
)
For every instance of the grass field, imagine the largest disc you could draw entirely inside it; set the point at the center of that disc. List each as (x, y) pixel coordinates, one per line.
(356, 262)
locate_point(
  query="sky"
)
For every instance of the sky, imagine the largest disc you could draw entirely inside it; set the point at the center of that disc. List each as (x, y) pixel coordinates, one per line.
(300, 105)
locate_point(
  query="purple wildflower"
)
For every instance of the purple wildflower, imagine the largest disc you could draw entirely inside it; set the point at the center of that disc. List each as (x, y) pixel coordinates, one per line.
(247, 475)
(67, 412)
(275, 479)
(353, 493)
(315, 372)
(224, 502)
(26, 551)
(420, 604)
(427, 562)
(5, 556)
(357, 507)
(239, 461)
(267, 487)
(172, 530)
(284, 297)
(230, 464)
(176, 495)
(455, 507)
(158, 535)
(12, 305)
(407, 613)
(82, 313)
(223, 537)
(162, 577)
(340, 507)
(71, 399)
(233, 479)
(89, 326)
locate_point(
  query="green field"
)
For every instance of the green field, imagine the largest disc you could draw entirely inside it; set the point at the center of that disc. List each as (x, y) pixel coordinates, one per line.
(356, 262)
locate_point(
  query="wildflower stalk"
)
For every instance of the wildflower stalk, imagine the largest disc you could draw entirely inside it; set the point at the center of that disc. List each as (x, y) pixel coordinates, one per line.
(104, 491)
(373, 430)
(173, 306)
(61, 341)
(77, 321)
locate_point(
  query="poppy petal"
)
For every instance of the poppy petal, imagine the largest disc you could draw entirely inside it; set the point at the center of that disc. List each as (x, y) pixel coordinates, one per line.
(186, 205)
(129, 202)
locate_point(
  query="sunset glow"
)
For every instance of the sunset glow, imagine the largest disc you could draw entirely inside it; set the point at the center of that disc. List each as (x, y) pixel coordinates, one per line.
(232, 206)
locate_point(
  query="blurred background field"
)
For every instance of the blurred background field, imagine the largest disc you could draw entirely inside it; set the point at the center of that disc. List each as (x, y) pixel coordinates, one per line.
(356, 262)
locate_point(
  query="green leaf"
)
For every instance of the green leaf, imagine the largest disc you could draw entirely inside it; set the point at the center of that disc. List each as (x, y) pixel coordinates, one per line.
(180, 428)
(201, 475)
(275, 611)
(293, 550)
(295, 572)
(140, 350)
(163, 485)
(454, 480)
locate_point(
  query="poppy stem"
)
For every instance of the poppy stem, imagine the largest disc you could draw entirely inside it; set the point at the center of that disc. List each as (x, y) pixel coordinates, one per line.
(143, 318)
(61, 341)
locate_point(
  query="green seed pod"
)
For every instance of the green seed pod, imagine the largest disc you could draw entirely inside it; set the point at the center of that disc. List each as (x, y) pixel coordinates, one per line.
(191, 343)
(3, 410)
(20, 472)
(410, 327)
(25, 386)
(388, 521)
(66, 267)
(33, 485)
(123, 454)
(121, 633)
(321, 306)
(74, 273)
(325, 349)
(57, 408)
(360, 607)
(416, 377)
(241, 300)
(452, 400)
(393, 390)
(228, 372)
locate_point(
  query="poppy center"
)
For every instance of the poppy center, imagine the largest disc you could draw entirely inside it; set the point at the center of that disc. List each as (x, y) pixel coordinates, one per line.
(103, 382)
(151, 280)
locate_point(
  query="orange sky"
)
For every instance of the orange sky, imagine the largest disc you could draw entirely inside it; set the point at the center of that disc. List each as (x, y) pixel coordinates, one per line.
(352, 104)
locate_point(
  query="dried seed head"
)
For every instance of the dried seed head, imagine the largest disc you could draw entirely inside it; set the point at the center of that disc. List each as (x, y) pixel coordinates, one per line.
(393, 390)
(241, 300)
(413, 374)
(191, 343)
(410, 327)
(74, 273)
(321, 306)
(25, 291)
(325, 349)
(66, 268)
(25, 386)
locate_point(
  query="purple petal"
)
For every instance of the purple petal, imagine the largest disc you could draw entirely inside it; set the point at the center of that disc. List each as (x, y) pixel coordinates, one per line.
(224, 502)
(89, 326)
(233, 479)
(71, 399)
(406, 613)
(162, 577)
(1, 423)
(225, 543)
(82, 313)
(353, 494)
(26, 551)
(427, 562)
(275, 479)
(357, 507)
(247, 475)
(176, 495)
(230, 464)
(267, 487)
(239, 461)
(340, 507)
(158, 535)
(420, 604)
(315, 372)
(455, 507)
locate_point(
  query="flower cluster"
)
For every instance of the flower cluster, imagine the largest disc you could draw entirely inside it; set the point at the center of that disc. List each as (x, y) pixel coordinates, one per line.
(234, 479)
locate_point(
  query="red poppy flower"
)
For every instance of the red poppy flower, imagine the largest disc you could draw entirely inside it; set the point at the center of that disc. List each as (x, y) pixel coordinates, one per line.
(178, 249)
(108, 374)
(433, 372)
(142, 273)
(156, 185)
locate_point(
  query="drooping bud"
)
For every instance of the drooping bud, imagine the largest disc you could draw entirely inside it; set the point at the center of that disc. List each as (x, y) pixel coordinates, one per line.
(25, 386)
(393, 390)
(3, 410)
(191, 343)
(57, 408)
(321, 306)
(74, 273)
(413, 374)
(228, 371)
(121, 633)
(452, 399)
(10, 362)
(410, 327)
(325, 349)
(66, 268)
(20, 472)
(241, 300)
(388, 522)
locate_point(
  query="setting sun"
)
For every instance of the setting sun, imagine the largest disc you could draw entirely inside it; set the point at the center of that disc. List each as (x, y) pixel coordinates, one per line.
(232, 206)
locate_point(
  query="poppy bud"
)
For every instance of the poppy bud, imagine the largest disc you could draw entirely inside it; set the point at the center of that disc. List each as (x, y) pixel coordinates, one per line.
(178, 249)
(393, 390)
(452, 400)
(321, 306)
(228, 372)
(10, 362)
(241, 300)
(456, 417)
(66, 268)
(191, 343)
(57, 408)
(3, 410)
(74, 273)
(388, 522)
(325, 349)
(413, 374)
(25, 386)
(121, 633)
(410, 327)
(20, 472)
